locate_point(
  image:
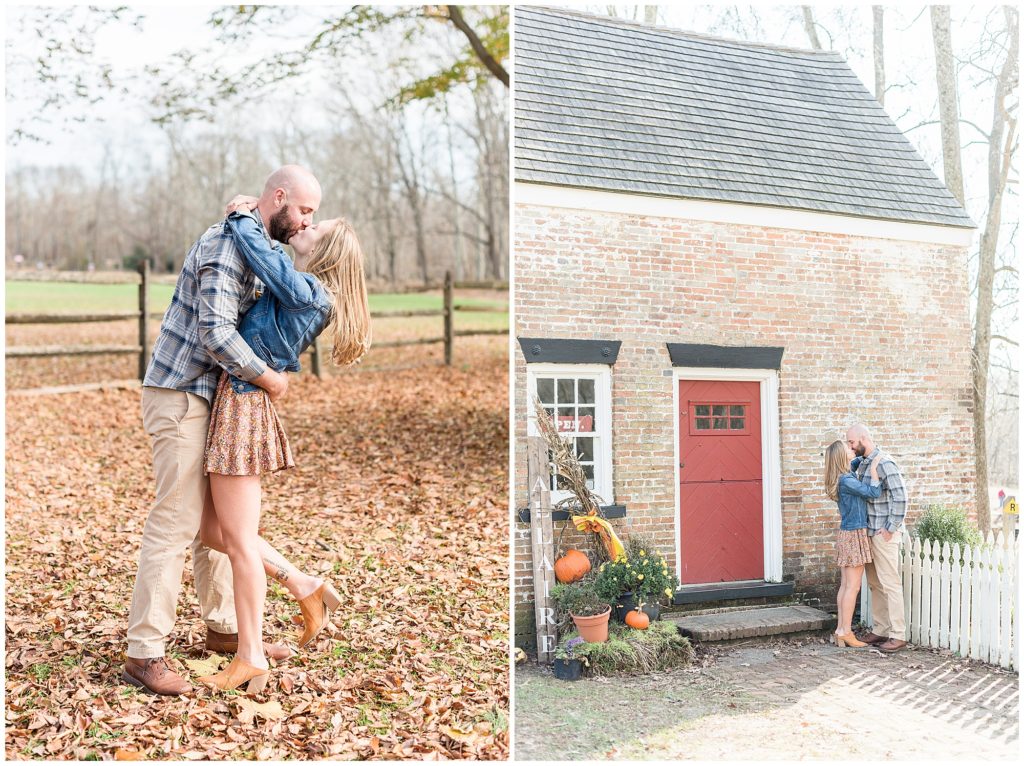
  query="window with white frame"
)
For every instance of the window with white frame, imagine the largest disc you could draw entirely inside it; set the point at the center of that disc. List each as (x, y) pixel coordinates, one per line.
(578, 399)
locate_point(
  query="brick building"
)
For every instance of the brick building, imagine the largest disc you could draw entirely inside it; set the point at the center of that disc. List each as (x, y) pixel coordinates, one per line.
(725, 253)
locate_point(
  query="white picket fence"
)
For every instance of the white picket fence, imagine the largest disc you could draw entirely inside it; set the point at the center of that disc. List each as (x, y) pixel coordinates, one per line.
(963, 600)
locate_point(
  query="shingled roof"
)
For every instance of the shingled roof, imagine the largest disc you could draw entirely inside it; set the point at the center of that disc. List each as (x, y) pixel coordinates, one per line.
(618, 106)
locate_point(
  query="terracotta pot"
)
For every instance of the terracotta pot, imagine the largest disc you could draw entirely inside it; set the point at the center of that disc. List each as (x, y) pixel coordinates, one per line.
(593, 630)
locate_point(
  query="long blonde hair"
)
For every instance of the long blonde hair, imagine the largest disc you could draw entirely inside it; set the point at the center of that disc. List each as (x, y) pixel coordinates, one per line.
(836, 464)
(337, 261)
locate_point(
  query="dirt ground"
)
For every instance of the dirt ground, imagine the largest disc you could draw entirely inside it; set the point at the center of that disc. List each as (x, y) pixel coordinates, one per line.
(793, 699)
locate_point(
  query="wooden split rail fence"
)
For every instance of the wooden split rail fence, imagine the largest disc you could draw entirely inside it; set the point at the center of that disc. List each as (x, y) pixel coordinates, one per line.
(962, 599)
(144, 315)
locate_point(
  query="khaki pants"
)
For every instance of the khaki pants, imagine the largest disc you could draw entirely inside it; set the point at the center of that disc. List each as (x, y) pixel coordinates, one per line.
(886, 586)
(177, 423)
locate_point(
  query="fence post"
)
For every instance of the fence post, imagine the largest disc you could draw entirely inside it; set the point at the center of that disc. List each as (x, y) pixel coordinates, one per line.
(542, 548)
(143, 318)
(448, 335)
(315, 360)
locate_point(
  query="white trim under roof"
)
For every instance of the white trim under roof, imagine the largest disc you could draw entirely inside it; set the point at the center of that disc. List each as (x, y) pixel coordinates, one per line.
(736, 213)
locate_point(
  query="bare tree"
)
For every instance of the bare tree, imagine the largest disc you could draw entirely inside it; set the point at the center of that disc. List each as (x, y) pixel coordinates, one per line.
(878, 50)
(1002, 140)
(949, 112)
(810, 28)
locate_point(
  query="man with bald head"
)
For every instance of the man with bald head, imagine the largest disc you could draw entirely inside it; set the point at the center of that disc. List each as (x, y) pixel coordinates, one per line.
(885, 518)
(199, 338)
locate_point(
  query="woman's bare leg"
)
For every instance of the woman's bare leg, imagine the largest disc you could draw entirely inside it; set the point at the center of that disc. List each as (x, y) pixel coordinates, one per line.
(839, 601)
(274, 563)
(236, 500)
(852, 577)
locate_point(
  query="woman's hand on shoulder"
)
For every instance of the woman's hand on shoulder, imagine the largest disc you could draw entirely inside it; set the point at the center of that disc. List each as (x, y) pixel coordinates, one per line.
(240, 202)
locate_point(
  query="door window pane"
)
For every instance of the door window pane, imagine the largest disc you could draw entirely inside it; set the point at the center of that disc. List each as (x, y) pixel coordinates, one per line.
(702, 410)
(721, 424)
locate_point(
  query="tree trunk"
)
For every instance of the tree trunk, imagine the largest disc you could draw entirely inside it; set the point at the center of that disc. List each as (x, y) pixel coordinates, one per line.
(812, 32)
(1000, 148)
(949, 112)
(878, 46)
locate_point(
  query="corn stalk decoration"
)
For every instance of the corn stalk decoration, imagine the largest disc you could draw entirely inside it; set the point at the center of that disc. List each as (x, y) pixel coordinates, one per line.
(566, 465)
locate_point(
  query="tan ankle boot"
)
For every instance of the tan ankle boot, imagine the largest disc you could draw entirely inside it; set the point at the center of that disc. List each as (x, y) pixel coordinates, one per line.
(237, 673)
(316, 611)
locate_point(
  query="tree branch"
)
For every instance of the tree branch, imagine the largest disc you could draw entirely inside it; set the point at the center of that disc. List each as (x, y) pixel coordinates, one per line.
(478, 47)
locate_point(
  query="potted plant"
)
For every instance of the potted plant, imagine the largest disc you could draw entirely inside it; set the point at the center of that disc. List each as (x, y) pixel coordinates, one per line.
(640, 575)
(589, 612)
(569, 659)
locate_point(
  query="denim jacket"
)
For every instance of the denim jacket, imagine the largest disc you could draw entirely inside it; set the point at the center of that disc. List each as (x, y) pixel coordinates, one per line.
(853, 504)
(293, 309)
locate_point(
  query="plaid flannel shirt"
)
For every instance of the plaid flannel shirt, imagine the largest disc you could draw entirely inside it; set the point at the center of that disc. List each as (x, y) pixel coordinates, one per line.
(198, 334)
(887, 511)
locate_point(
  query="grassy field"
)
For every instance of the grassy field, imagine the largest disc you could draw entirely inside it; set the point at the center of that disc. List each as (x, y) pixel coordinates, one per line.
(71, 298)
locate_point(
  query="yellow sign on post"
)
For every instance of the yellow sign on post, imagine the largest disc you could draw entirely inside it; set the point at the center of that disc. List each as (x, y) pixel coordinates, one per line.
(1011, 506)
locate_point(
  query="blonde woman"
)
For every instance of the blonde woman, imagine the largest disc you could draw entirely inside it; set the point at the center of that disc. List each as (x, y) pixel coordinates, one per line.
(853, 550)
(323, 291)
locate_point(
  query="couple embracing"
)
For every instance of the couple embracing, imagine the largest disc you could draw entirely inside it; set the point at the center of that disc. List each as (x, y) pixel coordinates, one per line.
(868, 487)
(241, 314)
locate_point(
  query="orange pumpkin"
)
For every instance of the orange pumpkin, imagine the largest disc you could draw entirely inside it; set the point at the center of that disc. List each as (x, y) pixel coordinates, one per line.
(638, 619)
(572, 566)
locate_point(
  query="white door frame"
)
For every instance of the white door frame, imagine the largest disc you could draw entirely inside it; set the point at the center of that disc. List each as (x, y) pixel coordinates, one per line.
(771, 464)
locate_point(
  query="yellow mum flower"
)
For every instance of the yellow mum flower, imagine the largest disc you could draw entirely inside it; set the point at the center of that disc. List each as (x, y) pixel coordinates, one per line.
(639, 577)
(642, 553)
(668, 592)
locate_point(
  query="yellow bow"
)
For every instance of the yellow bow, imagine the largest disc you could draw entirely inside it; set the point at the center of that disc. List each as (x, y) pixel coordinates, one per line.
(604, 530)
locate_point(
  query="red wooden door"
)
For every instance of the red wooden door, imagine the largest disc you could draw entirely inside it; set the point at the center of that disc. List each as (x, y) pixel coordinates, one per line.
(720, 502)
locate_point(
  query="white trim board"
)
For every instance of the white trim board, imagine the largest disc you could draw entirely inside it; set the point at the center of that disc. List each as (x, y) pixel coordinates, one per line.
(737, 213)
(771, 463)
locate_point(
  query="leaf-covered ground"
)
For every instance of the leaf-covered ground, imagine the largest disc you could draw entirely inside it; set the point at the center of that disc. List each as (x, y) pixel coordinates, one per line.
(399, 496)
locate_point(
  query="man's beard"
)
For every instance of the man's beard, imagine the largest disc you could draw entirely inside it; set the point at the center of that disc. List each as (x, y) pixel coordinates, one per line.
(280, 225)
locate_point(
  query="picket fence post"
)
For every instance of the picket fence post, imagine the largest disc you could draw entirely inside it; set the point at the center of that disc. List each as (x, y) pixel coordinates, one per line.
(944, 573)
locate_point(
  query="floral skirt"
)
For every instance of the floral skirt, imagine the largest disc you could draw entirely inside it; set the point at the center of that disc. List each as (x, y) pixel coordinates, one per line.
(245, 438)
(853, 549)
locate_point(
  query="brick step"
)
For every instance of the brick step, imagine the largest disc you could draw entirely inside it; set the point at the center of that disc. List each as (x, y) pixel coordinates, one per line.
(726, 625)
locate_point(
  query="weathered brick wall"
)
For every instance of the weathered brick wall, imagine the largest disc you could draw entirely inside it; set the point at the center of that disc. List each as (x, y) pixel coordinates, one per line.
(874, 330)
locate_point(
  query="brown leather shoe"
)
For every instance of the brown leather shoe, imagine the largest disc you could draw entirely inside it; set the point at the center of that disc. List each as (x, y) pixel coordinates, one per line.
(154, 676)
(871, 638)
(892, 645)
(227, 643)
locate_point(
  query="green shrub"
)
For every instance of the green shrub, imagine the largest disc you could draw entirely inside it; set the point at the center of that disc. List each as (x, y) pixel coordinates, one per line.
(947, 524)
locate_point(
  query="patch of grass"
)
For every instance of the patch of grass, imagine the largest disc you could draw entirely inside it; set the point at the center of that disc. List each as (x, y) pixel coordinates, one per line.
(69, 587)
(40, 671)
(70, 661)
(498, 720)
(364, 718)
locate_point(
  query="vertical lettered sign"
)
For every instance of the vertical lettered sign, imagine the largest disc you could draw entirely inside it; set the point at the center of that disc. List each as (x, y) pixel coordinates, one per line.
(542, 545)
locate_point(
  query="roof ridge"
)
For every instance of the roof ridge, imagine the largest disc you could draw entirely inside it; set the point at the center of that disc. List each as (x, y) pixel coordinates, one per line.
(616, 21)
